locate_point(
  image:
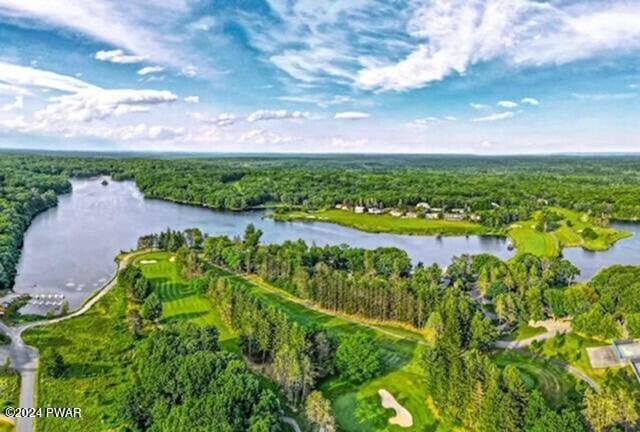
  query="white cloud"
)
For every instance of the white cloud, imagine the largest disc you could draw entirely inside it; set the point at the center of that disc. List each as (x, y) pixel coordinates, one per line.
(265, 114)
(320, 100)
(494, 117)
(633, 86)
(15, 76)
(266, 137)
(349, 143)
(530, 101)
(128, 25)
(18, 103)
(450, 118)
(150, 70)
(189, 71)
(599, 97)
(351, 115)
(90, 105)
(118, 56)
(192, 99)
(478, 106)
(426, 41)
(222, 120)
(507, 104)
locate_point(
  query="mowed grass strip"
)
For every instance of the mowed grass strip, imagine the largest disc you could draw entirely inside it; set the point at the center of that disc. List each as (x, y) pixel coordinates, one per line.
(387, 223)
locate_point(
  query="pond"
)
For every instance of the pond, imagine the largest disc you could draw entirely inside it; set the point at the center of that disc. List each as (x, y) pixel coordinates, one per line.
(69, 249)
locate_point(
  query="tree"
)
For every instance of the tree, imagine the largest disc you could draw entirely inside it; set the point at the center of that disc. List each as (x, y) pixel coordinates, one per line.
(135, 323)
(56, 367)
(483, 332)
(141, 289)
(318, 412)
(359, 357)
(152, 308)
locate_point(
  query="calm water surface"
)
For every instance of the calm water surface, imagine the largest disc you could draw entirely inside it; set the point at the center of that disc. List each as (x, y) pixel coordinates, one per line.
(69, 249)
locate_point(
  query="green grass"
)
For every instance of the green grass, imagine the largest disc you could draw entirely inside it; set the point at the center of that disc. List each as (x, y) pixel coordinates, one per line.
(529, 240)
(181, 300)
(9, 389)
(387, 223)
(556, 385)
(523, 331)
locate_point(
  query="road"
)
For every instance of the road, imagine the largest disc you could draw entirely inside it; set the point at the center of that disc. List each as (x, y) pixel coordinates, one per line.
(25, 358)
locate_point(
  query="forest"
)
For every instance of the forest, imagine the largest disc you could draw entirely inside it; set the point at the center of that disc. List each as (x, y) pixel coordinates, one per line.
(502, 189)
(463, 381)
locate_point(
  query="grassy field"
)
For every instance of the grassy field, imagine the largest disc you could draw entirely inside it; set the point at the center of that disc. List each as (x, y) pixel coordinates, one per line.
(529, 240)
(554, 383)
(387, 223)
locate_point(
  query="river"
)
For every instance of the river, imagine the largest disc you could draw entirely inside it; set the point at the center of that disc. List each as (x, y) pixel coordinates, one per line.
(69, 249)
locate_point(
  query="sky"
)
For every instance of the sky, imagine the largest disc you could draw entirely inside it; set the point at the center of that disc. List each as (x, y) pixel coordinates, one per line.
(309, 76)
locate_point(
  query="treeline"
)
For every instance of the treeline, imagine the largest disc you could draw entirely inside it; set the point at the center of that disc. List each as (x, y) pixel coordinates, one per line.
(524, 288)
(182, 381)
(502, 189)
(609, 305)
(378, 284)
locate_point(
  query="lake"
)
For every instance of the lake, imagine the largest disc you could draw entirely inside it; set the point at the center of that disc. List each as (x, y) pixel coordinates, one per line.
(69, 249)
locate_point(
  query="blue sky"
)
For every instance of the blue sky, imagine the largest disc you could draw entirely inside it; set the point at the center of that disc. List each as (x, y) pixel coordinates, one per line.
(417, 76)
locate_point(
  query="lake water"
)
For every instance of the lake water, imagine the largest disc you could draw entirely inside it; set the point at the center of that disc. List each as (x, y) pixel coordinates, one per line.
(69, 249)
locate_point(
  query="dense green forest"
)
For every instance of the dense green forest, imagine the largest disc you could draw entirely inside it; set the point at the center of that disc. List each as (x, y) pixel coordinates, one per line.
(465, 384)
(608, 186)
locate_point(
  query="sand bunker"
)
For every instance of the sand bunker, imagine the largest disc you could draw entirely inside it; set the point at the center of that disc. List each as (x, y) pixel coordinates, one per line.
(403, 417)
(148, 261)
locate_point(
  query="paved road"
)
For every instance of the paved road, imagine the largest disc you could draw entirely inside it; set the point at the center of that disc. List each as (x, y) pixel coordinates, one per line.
(25, 358)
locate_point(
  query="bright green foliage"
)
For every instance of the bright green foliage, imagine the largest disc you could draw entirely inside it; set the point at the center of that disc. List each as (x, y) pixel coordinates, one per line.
(184, 383)
(152, 308)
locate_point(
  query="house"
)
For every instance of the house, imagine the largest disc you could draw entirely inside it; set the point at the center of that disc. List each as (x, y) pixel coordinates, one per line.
(3, 310)
(495, 205)
(375, 210)
(457, 210)
(436, 210)
(423, 206)
(432, 215)
(475, 218)
(411, 215)
(453, 216)
(359, 209)
(396, 213)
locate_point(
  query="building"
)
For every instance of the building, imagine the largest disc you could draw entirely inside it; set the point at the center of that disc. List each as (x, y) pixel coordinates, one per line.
(375, 210)
(453, 216)
(396, 213)
(359, 209)
(475, 218)
(411, 215)
(423, 205)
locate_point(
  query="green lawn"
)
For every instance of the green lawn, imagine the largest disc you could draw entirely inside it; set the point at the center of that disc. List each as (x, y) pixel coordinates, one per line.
(387, 223)
(180, 299)
(529, 240)
(523, 331)
(555, 384)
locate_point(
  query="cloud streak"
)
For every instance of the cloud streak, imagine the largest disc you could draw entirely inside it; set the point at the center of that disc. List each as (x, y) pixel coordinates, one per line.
(495, 117)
